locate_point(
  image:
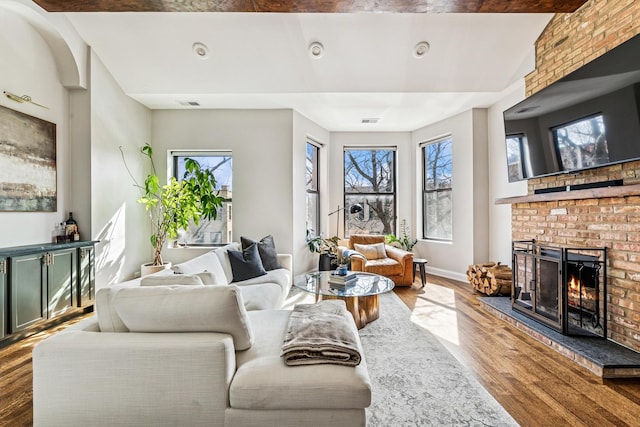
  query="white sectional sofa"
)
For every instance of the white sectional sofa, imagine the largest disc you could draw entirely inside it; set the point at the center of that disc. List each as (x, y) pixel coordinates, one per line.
(190, 355)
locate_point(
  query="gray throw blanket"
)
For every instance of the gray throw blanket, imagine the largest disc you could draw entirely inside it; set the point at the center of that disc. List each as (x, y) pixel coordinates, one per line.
(321, 333)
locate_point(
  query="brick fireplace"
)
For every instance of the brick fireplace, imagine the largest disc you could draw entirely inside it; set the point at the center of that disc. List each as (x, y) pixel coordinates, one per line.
(602, 218)
(607, 217)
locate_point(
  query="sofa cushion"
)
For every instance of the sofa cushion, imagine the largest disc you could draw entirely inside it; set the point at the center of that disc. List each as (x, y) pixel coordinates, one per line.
(206, 262)
(263, 381)
(263, 296)
(173, 279)
(108, 318)
(223, 257)
(373, 251)
(266, 249)
(185, 309)
(246, 264)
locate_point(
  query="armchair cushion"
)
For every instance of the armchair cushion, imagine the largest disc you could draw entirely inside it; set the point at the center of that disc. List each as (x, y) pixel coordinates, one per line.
(372, 251)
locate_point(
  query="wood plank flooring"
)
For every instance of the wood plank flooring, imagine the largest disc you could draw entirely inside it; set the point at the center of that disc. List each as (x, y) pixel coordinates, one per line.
(537, 386)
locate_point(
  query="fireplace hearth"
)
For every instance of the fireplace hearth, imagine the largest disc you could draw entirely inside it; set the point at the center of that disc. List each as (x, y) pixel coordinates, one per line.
(563, 288)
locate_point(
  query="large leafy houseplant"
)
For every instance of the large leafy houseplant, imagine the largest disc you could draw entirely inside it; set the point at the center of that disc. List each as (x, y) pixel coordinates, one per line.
(172, 206)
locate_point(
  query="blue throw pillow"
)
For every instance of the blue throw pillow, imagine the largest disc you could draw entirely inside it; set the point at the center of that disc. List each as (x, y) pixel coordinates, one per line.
(246, 265)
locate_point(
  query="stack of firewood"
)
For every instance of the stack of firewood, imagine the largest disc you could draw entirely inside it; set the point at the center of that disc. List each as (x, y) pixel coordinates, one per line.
(490, 278)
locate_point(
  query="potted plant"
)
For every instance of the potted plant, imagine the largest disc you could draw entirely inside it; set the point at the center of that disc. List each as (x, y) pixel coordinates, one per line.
(172, 206)
(327, 248)
(404, 241)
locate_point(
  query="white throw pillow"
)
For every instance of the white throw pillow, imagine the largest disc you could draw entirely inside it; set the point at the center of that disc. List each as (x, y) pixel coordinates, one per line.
(373, 251)
(223, 257)
(185, 309)
(209, 262)
(173, 279)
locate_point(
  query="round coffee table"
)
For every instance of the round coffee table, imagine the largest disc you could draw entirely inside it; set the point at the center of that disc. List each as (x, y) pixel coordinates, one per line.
(361, 296)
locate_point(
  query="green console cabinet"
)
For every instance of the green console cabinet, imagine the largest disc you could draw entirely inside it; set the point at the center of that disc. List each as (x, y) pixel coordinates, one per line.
(3, 298)
(86, 276)
(27, 290)
(43, 282)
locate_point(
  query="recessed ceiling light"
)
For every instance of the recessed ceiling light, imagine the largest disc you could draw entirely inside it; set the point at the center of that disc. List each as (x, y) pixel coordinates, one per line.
(316, 50)
(201, 50)
(421, 49)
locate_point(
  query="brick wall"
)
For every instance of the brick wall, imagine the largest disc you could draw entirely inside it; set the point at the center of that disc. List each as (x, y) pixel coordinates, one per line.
(568, 42)
(573, 39)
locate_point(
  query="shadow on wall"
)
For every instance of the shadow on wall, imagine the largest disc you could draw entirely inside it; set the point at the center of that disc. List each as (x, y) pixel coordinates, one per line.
(110, 251)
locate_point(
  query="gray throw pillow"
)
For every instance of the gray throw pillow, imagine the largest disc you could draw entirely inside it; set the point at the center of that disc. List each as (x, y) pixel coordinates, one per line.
(266, 249)
(246, 265)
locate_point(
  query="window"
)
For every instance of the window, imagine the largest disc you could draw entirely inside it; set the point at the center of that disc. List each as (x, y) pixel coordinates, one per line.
(582, 144)
(313, 191)
(369, 181)
(515, 163)
(437, 190)
(218, 231)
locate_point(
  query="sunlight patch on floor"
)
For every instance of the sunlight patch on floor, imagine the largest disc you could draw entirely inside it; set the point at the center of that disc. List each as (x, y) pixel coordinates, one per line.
(435, 311)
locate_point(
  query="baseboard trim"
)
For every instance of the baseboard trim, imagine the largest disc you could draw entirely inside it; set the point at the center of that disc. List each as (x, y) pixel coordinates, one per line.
(460, 277)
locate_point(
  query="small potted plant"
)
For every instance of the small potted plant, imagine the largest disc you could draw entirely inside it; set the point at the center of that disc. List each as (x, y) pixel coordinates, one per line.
(327, 248)
(404, 241)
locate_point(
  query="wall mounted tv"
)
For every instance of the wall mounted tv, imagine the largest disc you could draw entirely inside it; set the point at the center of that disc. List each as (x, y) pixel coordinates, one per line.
(587, 119)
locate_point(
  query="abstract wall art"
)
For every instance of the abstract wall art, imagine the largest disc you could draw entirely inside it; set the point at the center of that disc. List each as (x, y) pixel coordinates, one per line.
(28, 179)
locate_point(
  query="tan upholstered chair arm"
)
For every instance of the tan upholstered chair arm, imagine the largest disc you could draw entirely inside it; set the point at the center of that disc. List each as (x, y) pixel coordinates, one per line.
(400, 255)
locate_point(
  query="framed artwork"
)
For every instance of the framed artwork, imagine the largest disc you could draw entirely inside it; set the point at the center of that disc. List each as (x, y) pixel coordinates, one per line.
(28, 177)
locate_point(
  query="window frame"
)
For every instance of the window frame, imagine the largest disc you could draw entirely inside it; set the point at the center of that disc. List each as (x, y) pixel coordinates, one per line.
(227, 216)
(425, 191)
(364, 195)
(310, 191)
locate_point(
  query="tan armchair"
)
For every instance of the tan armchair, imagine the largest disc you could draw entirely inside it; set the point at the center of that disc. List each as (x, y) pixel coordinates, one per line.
(385, 260)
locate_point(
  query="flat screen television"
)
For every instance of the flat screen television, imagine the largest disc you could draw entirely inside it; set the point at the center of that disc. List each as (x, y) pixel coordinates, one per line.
(587, 119)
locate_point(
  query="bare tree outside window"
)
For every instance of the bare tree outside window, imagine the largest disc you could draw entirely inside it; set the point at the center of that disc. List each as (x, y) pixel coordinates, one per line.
(369, 180)
(214, 232)
(582, 144)
(437, 200)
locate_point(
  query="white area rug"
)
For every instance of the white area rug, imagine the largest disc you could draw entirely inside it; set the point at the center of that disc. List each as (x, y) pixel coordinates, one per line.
(416, 381)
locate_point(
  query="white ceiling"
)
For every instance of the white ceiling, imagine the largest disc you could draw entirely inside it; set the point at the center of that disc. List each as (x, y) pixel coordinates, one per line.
(367, 70)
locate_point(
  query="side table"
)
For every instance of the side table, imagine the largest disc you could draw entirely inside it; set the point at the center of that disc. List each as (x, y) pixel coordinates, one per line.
(420, 263)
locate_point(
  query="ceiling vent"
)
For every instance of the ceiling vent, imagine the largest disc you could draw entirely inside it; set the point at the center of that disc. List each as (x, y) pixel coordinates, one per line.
(371, 120)
(189, 103)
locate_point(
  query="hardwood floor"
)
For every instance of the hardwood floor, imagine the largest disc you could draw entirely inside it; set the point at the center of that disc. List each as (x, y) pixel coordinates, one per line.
(537, 386)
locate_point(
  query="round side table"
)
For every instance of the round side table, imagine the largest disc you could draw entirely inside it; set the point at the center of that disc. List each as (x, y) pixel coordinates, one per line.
(420, 263)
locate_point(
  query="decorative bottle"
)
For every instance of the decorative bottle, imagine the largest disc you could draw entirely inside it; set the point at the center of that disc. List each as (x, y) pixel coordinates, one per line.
(72, 228)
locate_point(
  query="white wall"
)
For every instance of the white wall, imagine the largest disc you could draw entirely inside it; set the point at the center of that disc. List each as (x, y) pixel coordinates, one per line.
(28, 67)
(117, 220)
(451, 259)
(261, 143)
(499, 186)
(304, 128)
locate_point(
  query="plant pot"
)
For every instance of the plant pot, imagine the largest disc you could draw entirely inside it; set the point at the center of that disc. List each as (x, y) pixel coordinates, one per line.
(326, 262)
(148, 268)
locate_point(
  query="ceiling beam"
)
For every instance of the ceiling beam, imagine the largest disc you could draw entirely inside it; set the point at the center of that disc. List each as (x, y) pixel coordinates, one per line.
(315, 6)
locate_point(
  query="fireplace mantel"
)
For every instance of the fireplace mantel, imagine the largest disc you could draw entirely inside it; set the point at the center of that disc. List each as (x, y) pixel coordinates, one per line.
(592, 193)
